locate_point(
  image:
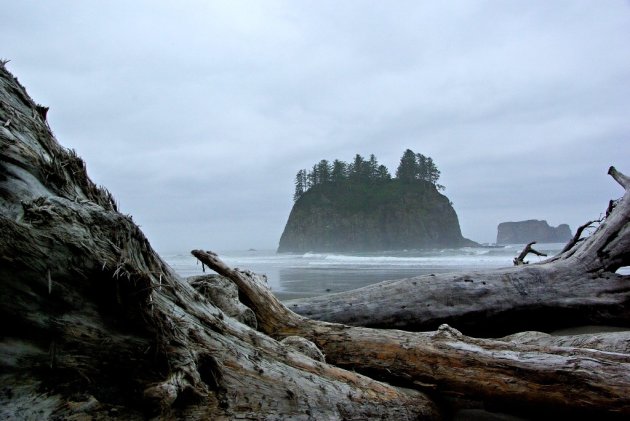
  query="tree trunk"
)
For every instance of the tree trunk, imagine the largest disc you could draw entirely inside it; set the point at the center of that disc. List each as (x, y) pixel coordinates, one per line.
(94, 322)
(577, 287)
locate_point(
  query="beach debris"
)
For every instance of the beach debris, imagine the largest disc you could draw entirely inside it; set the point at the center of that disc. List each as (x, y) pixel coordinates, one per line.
(520, 259)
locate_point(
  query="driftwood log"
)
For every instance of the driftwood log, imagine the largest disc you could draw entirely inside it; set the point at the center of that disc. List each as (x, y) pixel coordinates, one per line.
(579, 286)
(446, 361)
(96, 325)
(520, 259)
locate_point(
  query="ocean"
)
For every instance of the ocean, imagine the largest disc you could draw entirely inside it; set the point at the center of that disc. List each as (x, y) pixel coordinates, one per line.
(311, 274)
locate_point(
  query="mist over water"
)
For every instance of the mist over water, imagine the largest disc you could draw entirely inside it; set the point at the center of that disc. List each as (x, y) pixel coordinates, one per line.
(309, 274)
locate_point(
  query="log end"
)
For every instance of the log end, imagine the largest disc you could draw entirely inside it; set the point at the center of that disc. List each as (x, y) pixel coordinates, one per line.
(619, 177)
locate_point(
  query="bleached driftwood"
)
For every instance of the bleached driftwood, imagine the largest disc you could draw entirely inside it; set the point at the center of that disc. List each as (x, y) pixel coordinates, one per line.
(520, 259)
(446, 361)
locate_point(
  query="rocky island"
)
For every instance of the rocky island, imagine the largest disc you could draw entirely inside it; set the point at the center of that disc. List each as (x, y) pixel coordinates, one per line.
(359, 207)
(523, 232)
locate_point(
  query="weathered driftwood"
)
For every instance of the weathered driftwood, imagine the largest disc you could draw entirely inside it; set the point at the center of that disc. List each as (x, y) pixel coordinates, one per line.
(578, 233)
(603, 341)
(577, 287)
(223, 293)
(520, 259)
(445, 361)
(95, 324)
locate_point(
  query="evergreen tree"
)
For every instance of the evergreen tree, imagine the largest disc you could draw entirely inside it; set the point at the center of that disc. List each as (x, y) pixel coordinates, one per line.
(324, 171)
(433, 174)
(422, 167)
(407, 169)
(339, 171)
(300, 185)
(382, 173)
(357, 168)
(313, 177)
(371, 168)
(413, 166)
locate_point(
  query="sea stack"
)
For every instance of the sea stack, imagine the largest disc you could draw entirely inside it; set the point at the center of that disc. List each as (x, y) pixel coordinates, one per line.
(523, 232)
(386, 216)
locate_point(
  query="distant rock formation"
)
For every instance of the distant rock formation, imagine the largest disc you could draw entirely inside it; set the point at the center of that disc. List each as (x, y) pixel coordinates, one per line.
(376, 216)
(523, 232)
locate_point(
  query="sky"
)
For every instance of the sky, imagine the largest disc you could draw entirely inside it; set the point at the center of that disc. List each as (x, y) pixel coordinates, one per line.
(197, 115)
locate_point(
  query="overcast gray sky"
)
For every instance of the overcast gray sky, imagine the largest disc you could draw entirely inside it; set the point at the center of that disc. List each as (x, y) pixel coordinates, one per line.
(198, 114)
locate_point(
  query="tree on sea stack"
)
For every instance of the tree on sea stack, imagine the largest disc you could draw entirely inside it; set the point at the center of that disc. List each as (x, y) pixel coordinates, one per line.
(97, 326)
(416, 166)
(408, 167)
(339, 171)
(300, 184)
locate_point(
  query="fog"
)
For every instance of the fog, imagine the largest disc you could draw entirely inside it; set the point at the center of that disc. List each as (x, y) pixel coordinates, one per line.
(197, 114)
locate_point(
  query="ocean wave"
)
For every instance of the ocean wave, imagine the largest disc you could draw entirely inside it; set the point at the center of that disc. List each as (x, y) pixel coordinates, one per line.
(312, 255)
(265, 261)
(467, 256)
(444, 260)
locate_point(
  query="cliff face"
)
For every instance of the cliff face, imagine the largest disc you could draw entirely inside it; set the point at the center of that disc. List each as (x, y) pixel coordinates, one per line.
(532, 230)
(388, 215)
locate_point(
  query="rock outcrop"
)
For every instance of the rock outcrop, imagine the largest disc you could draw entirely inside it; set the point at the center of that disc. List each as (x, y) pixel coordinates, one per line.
(523, 232)
(364, 217)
